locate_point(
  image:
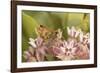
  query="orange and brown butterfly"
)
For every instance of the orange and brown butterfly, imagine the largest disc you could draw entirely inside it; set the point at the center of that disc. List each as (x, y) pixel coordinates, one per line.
(43, 31)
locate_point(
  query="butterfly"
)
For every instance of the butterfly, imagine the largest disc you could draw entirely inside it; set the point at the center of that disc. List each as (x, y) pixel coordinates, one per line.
(47, 33)
(43, 31)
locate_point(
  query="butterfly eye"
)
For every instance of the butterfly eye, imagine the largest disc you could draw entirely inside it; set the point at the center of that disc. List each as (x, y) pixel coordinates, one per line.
(41, 25)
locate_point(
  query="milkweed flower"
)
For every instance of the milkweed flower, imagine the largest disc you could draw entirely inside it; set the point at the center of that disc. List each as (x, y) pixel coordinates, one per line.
(72, 32)
(85, 39)
(82, 52)
(75, 47)
(81, 47)
(36, 50)
(35, 43)
(29, 55)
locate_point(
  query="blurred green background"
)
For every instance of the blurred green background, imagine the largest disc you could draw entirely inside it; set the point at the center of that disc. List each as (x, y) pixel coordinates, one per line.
(52, 20)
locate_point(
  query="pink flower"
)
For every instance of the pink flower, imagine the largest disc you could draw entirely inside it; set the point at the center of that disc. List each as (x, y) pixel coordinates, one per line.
(70, 45)
(68, 50)
(76, 46)
(58, 50)
(38, 41)
(82, 52)
(38, 48)
(72, 32)
(29, 55)
(39, 55)
(85, 38)
(35, 43)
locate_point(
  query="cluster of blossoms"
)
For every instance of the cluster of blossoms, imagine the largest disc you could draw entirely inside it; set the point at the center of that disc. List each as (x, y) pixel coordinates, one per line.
(75, 47)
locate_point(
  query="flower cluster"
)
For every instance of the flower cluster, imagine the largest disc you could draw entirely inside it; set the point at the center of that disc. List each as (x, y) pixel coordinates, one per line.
(75, 47)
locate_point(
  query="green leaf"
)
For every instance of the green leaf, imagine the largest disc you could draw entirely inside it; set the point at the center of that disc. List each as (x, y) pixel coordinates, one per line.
(85, 25)
(28, 26)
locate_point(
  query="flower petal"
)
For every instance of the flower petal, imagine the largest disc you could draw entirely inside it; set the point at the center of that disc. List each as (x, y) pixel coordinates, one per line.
(32, 42)
(38, 41)
(68, 30)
